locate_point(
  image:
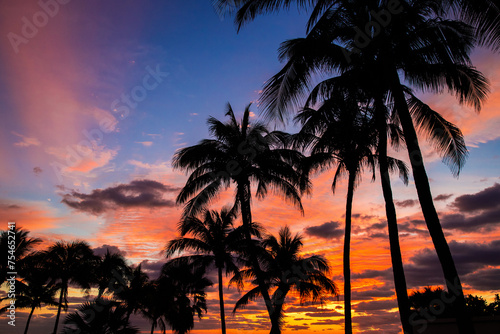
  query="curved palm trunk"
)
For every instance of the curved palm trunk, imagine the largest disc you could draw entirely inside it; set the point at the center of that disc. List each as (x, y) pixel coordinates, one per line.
(278, 309)
(243, 192)
(347, 255)
(221, 303)
(392, 224)
(29, 319)
(153, 327)
(454, 286)
(59, 308)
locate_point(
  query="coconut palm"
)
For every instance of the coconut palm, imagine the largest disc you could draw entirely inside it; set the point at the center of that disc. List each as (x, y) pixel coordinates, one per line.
(241, 154)
(69, 263)
(33, 291)
(131, 293)
(155, 302)
(111, 273)
(286, 270)
(101, 316)
(483, 15)
(22, 248)
(187, 283)
(338, 133)
(215, 239)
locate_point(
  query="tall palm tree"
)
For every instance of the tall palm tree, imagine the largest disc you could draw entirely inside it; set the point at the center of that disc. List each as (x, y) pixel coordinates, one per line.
(101, 316)
(338, 133)
(24, 245)
(241, 154)
(215, 239)
(69, 262)
(432, 53)
(286, 270)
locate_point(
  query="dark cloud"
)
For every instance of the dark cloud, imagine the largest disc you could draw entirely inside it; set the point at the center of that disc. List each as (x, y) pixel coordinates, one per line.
(101, 250)
(328, 230)
(331, 313)
(442, 197)
(152, 268)
(296, 327)
(409, 227)
(485, 279)
(37, 171)
(386, 290)
(138, 193)
(425, 268)
(406, 203)
(384, 274)
(9, 206)
(487, 220)
(483, 200)
(375, 305)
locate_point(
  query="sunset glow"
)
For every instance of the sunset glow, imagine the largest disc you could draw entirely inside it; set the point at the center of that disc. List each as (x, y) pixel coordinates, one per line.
(97, 101)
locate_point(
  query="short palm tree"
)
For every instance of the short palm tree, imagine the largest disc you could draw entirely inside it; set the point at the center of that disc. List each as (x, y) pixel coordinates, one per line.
(69, 262)
(186, 282)
(215, 240)
(111, 272)
(286, 270)
(241, 153)
(101, 316)
(33, 291)
(23, 247)
(131, 293)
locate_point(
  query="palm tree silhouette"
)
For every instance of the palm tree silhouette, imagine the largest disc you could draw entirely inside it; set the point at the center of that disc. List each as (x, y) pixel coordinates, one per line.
(33, 290)
(286, 270)
(155, 301)
(338, 133)
(215, 239)
(111, 273)
(131, 293)
(69, 262)
(23, 247)
(431, 52)
(187, 282)
(101, 316)
(240, 154)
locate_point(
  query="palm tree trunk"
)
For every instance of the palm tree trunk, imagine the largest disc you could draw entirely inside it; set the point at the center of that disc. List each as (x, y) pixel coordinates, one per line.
(347, 256)
(153, 327)
(29, 319)
(454, 286)
(59, 308)
(392, 224)
(279, 300)
(221, 302)
(243, 193)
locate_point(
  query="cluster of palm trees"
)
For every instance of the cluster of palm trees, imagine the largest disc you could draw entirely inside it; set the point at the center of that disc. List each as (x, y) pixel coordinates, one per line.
(209, 241)
(349, 119)
(45, 276)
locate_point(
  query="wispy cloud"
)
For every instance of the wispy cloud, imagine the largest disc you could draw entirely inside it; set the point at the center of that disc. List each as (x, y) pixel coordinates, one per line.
(26, 141)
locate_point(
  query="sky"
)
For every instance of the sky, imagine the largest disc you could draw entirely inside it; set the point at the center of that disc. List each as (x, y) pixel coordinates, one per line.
(96, 97)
